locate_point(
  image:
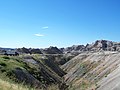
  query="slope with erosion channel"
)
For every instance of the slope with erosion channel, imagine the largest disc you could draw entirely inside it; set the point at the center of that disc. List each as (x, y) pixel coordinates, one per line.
(32, 70)
(60, 59)
(93, 70)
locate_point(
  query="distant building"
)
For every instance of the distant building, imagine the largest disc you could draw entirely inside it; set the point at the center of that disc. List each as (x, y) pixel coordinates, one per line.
(11, 53)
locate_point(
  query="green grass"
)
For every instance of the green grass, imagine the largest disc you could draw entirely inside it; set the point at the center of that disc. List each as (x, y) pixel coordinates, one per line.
(9, 63)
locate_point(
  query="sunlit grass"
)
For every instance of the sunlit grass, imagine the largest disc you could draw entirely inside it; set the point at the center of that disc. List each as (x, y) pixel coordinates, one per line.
(5, 85)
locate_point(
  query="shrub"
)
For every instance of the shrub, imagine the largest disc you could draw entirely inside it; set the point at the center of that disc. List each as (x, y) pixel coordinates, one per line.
(5, 57)
(3, 64)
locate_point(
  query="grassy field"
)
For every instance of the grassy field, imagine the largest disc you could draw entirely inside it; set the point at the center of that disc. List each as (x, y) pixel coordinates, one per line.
(7, 79)
(7, 64)
(6, 85)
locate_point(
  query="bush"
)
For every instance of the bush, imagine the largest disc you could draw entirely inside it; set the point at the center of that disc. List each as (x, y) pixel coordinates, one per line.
(2, 64)
(5, 57)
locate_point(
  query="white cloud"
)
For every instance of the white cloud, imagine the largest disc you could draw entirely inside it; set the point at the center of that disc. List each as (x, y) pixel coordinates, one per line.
(46, 27)
(39, 35)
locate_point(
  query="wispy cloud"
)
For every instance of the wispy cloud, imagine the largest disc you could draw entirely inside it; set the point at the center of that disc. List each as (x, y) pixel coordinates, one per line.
(39, 35)
(46, 27)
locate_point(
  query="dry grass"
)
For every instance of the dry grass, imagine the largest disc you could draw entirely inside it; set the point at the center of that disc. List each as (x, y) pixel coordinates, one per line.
(4, 85)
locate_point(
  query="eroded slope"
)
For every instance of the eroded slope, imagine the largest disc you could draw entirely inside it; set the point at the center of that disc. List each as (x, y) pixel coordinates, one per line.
(90, 70)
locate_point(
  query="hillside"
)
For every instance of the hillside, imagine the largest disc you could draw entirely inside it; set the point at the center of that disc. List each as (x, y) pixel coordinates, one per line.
(34, 71)
(95, 70)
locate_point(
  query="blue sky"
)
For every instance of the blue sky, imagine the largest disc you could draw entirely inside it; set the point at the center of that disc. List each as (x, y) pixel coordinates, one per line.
(62, 23)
